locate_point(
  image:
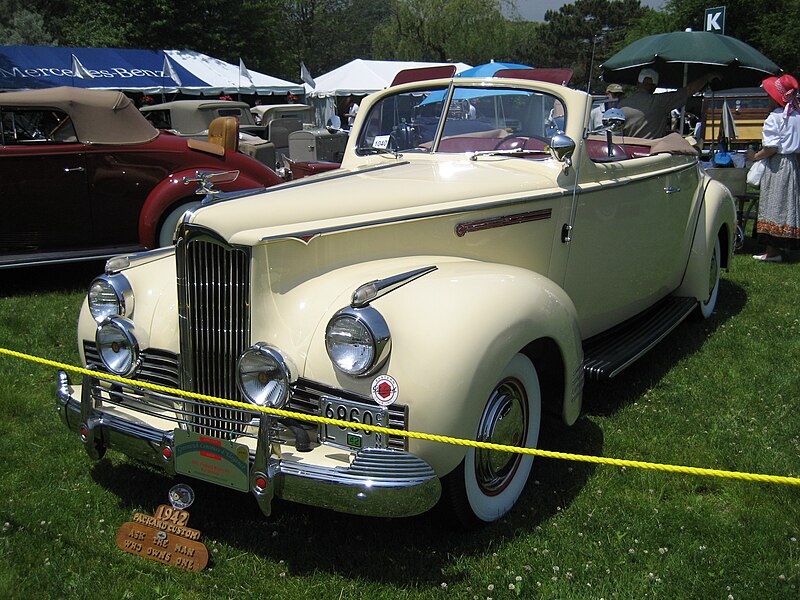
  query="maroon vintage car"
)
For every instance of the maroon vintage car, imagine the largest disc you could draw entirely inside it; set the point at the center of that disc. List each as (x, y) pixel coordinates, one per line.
(84, 175)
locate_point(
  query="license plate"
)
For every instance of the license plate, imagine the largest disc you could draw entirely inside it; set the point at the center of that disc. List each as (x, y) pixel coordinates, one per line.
(353, 437)
(210, 459)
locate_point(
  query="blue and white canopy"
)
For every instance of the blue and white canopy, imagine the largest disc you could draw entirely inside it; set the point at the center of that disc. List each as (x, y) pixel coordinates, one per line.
(145, 71)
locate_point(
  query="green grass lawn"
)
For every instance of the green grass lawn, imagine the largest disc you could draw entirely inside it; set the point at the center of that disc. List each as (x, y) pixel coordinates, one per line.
(720, 394)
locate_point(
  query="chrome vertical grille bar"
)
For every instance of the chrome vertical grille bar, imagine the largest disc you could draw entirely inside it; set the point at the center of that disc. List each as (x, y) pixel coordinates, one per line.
(214, 282)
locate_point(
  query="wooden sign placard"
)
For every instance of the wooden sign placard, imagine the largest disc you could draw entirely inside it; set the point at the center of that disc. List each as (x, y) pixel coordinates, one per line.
(164, 537)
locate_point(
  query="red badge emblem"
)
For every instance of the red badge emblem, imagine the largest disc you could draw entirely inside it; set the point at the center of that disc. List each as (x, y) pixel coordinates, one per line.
(384, 390)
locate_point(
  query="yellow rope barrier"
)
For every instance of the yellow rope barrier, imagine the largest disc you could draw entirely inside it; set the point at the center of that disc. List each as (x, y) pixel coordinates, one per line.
(618, 462)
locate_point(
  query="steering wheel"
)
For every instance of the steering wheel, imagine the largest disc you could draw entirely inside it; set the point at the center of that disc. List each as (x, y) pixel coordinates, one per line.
(403, 136)
(531, 142)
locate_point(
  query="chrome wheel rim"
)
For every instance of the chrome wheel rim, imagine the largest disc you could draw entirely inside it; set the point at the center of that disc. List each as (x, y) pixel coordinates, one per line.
(504, 421)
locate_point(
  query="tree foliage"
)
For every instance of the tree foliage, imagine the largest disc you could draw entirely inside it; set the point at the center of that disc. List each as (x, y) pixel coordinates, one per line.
(23, 25)
(472, 31)
(770, 27)
(325, 34)
(582, 35)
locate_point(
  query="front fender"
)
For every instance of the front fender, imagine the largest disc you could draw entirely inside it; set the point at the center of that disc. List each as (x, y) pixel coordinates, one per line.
(172, 191)
(453, 332)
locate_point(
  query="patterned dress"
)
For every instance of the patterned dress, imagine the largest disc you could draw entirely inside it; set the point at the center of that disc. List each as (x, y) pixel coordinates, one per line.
(779, 200)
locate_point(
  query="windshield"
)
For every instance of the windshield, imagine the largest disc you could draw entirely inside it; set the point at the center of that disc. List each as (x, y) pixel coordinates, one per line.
(471, 119)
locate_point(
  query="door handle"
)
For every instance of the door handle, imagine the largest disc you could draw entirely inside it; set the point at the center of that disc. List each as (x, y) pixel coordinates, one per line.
(74, 170)
(672, 190)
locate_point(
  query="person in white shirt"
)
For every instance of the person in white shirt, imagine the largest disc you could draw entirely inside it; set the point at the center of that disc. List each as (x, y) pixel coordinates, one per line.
(778, 224)
(614, 93)
(352, 111)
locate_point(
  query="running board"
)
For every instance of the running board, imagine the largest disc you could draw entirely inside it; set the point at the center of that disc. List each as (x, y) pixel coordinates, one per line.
(609, 353)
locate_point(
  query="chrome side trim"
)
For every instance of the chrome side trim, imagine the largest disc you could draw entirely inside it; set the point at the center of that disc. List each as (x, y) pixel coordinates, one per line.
(463, 229)
(334, 174)
(125, 261)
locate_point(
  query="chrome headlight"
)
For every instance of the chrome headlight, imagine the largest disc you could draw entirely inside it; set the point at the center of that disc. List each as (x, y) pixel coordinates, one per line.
(118, 346)
(109, 296)
(265, 376)
(358, 340)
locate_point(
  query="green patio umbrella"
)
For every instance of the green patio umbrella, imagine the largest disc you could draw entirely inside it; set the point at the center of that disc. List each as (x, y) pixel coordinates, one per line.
(682, 56)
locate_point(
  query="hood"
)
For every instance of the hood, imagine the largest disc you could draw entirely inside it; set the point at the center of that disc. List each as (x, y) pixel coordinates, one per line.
(383, 192)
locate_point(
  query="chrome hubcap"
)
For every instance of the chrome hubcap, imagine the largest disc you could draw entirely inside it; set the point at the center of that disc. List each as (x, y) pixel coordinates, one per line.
(504, 421)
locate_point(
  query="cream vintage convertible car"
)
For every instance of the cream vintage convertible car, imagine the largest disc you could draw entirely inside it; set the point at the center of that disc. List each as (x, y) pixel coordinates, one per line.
(478, 255)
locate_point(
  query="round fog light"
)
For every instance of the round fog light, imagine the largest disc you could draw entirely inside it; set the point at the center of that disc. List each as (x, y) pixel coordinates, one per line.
(265, 376)
(117, 345)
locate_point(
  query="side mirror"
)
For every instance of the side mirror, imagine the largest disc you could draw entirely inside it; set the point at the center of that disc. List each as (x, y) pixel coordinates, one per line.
(562, 147)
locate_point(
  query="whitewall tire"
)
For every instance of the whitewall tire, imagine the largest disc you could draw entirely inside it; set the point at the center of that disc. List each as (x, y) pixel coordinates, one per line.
(488, 483)
(167, 229)
(705, 307)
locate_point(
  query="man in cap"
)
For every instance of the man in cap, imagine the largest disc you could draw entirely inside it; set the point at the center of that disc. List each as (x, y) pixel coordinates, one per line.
(647, 115)
(613, 95)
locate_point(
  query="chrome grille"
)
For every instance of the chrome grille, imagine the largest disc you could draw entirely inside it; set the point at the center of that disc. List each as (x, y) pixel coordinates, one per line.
(214, 305)
(157, 366)
(161, 367)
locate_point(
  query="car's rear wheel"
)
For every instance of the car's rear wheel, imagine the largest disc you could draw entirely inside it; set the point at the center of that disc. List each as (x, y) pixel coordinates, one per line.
(170, 222)
(705, 307)
(487, 483)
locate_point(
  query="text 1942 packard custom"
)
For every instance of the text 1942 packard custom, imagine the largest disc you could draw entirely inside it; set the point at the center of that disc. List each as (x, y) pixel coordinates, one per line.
(464, 271)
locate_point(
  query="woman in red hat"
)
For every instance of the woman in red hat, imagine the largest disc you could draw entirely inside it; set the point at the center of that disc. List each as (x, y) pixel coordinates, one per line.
(778, 224)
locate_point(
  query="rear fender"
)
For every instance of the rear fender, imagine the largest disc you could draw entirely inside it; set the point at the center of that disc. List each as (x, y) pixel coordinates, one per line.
(454, 331)
(716, 218)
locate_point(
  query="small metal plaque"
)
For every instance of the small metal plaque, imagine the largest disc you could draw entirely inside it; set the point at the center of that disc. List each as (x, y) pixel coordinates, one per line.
(211, 459)
(164, 538)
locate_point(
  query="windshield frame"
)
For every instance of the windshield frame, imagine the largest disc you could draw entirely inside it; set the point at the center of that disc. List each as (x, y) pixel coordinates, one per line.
(506, 117)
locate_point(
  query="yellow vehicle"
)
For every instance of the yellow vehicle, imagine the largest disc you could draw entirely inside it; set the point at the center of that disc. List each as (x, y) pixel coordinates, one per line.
(456, 276)
(749, 107)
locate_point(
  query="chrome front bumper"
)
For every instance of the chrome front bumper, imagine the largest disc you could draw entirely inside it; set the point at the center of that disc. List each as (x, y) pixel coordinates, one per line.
(375, 482)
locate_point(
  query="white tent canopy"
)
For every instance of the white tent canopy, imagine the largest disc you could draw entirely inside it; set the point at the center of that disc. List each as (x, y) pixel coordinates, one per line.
(359, 77)
(225, 78)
